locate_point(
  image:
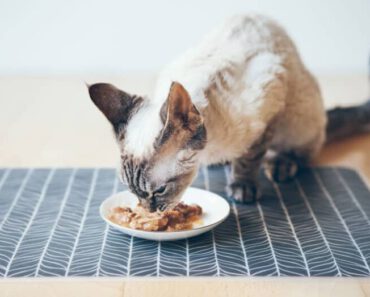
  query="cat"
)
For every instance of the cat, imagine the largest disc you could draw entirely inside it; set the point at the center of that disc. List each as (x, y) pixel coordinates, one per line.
(242, 96)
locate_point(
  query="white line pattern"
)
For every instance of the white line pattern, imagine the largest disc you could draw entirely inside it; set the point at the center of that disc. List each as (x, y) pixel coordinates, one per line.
(352, 195)
(307, 203)
(235, 210)
(18, 195)
(279, 195)
(82, 224)
(40, 200)
(66, 195)
(4, 177)
(115, 258)
(268, 238)
(330, 199)
(317, 225)
(187, 257)
(106, 230)
(206, 184)
(158, 258)
(130, 256)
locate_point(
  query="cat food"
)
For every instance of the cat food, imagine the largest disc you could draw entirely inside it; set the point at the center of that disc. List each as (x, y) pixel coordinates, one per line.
(182, 217)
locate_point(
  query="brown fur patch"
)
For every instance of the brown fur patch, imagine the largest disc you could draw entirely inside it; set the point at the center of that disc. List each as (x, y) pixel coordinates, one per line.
(117, 105)
(181, 112)
(181, 120)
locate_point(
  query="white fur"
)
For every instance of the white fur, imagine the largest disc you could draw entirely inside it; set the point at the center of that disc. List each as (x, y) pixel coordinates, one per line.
(142, 129)
(244, 74)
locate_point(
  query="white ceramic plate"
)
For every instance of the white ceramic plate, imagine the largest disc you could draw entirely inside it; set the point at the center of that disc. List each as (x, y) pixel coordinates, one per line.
(215, 210)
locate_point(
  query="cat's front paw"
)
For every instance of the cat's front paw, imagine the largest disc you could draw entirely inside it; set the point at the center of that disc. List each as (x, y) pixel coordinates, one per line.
(242, 191)
(280, 168)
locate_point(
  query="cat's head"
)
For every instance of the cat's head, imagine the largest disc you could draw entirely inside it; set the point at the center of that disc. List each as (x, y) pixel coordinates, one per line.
(159, 145)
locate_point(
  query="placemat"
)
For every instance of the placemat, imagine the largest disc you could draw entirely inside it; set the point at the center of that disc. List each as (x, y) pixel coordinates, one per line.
(316, 225)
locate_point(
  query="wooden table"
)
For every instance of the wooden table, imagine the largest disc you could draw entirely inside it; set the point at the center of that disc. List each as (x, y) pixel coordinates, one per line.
(51, 122)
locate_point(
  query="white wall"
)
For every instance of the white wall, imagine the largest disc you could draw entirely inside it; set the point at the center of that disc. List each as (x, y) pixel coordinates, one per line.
(42, 37)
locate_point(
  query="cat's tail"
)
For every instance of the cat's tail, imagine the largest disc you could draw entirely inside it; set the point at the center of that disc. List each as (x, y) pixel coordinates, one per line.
(346, 121)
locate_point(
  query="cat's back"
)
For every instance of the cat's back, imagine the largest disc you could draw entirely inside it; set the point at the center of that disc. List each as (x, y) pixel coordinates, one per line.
(230, 46)
(247, 34)
(236, 40)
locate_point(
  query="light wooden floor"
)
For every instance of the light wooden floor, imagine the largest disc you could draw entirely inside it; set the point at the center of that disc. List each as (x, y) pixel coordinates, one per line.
(51, 122)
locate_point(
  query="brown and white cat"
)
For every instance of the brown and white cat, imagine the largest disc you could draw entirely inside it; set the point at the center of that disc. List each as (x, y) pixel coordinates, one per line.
(242, 92)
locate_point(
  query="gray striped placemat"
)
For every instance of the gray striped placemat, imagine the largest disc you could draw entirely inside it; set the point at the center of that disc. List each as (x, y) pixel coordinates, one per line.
(317, 225)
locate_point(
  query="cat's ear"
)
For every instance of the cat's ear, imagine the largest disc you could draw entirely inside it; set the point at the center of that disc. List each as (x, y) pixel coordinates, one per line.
(115, 104)
(179, 110)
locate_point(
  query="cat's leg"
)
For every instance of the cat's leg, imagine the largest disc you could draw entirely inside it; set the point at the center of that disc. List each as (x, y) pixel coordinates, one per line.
(267, 77)
(300, 131)
(243, 186)
(283, 165)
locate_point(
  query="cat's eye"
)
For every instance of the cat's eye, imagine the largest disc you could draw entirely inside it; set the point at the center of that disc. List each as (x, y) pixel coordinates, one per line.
(161, 189)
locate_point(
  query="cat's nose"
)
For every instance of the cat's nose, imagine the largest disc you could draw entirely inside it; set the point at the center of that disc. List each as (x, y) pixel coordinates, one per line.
(152, 204)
